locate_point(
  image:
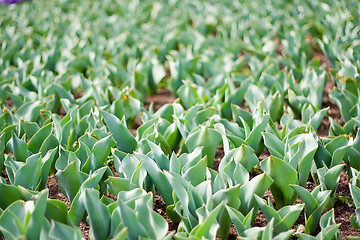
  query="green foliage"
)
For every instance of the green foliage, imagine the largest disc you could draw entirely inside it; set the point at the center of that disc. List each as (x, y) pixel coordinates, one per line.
(282, 192)
(315, 203)
(329, 229)
(76, 80)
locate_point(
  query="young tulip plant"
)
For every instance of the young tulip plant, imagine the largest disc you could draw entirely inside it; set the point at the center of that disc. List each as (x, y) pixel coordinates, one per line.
(315, 204)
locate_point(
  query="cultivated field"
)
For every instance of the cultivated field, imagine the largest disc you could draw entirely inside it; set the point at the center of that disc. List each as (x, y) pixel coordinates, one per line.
(180, 119)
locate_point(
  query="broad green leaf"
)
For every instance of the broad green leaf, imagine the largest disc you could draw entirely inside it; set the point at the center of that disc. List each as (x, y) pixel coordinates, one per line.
(70, 180)
(13, 194)
(344, 101)
(206, 137)
(159, 227)
(130, 221)
(37, 218)
(125, 141)
(117, 185)
(253, 139)
(258, 185)
(60, 231)
(47, 162)
(100, 152)
(274, 145)
(56, 210)
(305, 196)
(282, 192)
(28, 175)
(30, 128)
(230, 198)
(39, 137)
(77, 209)
(158, 177)
(208, 228)
(241, 223)
(196, 174)
(99, 215)
(18, 148)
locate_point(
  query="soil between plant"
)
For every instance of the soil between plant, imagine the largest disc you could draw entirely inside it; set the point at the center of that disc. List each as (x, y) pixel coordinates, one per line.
(162, 97)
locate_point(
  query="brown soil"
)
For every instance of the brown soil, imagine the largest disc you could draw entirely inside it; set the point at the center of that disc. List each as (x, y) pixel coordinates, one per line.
(162, 97)
(279, 48)
(260, 220)
(264, 154)
(78, 94)
(62, 112)
(218, 156)
(85, 229)
(232, 232)
(54, 191)
(344, 209)
(8, 102)
(110, 195)
(160, 208)
(5, 176)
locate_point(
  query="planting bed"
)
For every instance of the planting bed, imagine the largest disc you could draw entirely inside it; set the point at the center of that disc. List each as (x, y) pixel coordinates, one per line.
(180, 119)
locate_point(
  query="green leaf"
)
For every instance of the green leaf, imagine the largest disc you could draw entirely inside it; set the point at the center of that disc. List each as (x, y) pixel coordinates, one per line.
(30, 111)
(269, 212)
(122, 235)
(117, 185)
(337, 148)
(307, 198)
(99, 214)
(282, 192)
(125, 141)
(345, 101)
(208, 228)
(47, 162)
(159, 156)
(206, 137)
(100, 152)
(196, 174)
(188, 197)
(315, 121)
(258, 185)
(304, 147)
(241, 223)
(39, 137)
(253, 139)
(61, 231)
(77, 209)
(230, 198)
(158, 177)
(70, 180)
(35, 223)
(30, 128)
(274, 145)
(130, 221)
(18, 148)
(2, 152)
(13, 194)
(332, 177)
(12, 220)
(159, 227)
(29, 174)
(56, 210)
